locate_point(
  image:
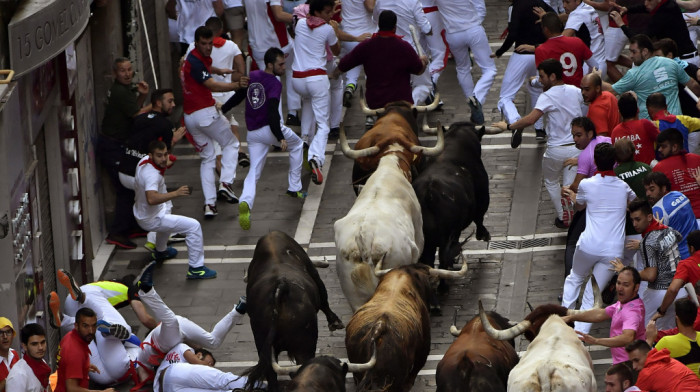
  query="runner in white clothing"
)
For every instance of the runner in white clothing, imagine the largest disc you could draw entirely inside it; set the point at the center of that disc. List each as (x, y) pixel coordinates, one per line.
(584, 22)
(464, 34)
(357, 20)
(192, 14)
(436, 41)
(182, 353)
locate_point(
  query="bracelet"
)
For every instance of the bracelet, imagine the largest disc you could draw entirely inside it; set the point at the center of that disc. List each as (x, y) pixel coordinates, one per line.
(508, 127)
(658, 310)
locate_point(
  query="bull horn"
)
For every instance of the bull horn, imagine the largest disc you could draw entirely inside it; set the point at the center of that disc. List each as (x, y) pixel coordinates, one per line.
(245, 275)
(283, 370)
(378, 272)
(444, 274)
(363, 367)
(690, 288)
(365, 109)
(432, 151)
(428, 108)
(453, 329)
(597, 303)
(505, 334)
(489, 130)
(427, 128)
(352, 153)
(321, 264)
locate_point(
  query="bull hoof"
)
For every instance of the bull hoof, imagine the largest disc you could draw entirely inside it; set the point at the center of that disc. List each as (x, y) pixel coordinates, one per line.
(335, 324)
(435, 310)
(483, 234)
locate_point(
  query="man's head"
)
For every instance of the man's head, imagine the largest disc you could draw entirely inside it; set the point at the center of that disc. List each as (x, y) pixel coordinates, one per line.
(322, 9)
(86, 324)
(651, 5)
(550, 72)
(666, 47)
(570, 5)
(33, 338)
(215, 25)
(604, 156)
(641, 49)
(205, 356)
(627, 285)
(693, 240)
(627, 104)
(640, 214)
(591, 87)
(656, 102)
(274, 62)
(123, 73)
(624, 150)
(669, 142)
(637, 352)
(686, 311)
(656, 186)
(551, 25)
(7, 333)
(163, 100)
(583, 131)
(203, 40)
(387, 21)
(618, 378)
(158, 152)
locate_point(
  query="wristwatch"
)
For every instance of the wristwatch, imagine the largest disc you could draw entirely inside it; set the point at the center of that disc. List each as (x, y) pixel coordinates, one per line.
(508, 127)
(658, 310)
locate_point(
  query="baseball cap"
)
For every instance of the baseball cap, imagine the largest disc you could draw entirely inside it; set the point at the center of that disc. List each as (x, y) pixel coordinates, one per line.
(5, 322)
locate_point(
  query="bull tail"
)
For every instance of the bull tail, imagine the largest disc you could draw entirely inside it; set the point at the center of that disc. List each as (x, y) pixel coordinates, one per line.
(371, 381)
(263, 370)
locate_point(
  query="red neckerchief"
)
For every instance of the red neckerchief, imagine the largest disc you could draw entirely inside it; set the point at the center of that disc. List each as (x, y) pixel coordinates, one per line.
(606, 173)
(652, 12)
(160, 169)
(653, 226)
(314, 21)
(41, 370)
(664, 116)
(219, 42)
(382, 33)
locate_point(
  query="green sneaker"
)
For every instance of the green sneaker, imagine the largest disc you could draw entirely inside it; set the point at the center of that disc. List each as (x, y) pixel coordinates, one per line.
(297, 194)
(244, 215)
(150, 246)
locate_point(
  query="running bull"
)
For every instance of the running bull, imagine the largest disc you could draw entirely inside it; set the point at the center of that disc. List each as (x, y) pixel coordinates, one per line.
(284, 293)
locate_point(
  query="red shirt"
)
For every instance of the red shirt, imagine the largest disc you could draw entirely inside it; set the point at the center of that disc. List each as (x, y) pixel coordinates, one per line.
(661, 373)
(688, 269)
(679, 170)
(571, 53)
(604, 113)
(73, 361)
(194, 72)
(642, 133)
(4, 371)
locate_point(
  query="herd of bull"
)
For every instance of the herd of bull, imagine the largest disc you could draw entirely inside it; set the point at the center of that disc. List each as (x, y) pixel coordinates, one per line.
(413, 201)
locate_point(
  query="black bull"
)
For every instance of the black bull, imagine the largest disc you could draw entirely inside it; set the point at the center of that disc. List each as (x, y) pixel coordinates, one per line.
(284, 294)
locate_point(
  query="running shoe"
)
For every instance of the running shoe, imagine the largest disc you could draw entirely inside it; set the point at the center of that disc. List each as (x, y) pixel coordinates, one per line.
(200, 273)
(226, 193)
(369, 122)
(316, 173)
(244, 215)
(210, 211)
(150, 246)
(516, 138)
(348, 94)
(145, 278)
(242, 305)
(292, 120)
(177, 238)
(167, 254)
(118, 331)
(243, 160)
(334, 133)
(560, 224)
(477, 116)
(568, 207)
(540, 135)
(55, 308)
(66, 279)
(297, 194)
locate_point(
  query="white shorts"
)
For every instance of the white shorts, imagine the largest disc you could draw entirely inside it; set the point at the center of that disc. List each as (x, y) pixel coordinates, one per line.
(615, 42)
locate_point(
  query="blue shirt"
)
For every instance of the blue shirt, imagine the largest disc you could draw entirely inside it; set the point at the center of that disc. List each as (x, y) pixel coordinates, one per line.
(675, 211)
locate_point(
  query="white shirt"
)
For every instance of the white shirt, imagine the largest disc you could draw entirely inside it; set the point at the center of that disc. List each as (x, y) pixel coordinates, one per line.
(232, 3)
(460, 15)
(22, 379)
(585, 14)
(176, 355)
(606, 206)
(561, 104)
(148, 178)
(190, 15)
(7, 360)
(424, 3)
(408, 12)
(222, 57)
(310, 46)
(356, 19)
(261, 33)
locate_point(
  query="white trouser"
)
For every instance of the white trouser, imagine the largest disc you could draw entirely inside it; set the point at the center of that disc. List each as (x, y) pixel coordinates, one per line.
(173, 329)
(694, 142)
(553, 168)
(652, 300)
(206, 126)
(110, 357)
(168, 224)
(95, 299)
(437, 45)
(629, 257)
(336, 102)
(519, 69)
(460, 43)
(353, 73)
(185, 377)
(582, 265)
(421, 87)
(315, 96)
(127, 180)
(259, 142)
(293, 98)
(615, 42)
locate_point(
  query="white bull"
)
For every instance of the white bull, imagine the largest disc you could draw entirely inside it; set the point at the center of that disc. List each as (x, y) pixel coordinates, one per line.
(382, 230)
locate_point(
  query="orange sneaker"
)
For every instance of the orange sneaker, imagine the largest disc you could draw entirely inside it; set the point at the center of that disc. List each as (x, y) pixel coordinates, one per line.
(67, 280)
(54, 310)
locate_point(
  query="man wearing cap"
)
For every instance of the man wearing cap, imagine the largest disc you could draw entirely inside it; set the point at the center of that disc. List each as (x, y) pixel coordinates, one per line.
(8, 356)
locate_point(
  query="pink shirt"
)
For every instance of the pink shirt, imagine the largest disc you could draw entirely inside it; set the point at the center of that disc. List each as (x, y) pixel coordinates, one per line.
(586, 164)
(626, 316)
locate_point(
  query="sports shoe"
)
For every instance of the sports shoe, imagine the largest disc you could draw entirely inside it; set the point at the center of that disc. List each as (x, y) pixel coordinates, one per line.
(54, 310)
(150, 246)
(243, 160)
(369, 122)
(297, 194)
(226, 193)
(210, 211)
(516, 138)
(477, 116)
(66, 279)
(316, 174)
(167, 254)
(201, 273)
(242, 305)
(560, 224)
(348, 94)
(292, 120)
(540, 135)
(334, 133)
(120, 241)
(118, 331)
(145, 277)
(176, 238)
(244, 215)
(568, 207)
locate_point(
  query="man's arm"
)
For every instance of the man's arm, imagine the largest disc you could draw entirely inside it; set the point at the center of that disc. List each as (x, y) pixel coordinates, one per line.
(154, 198)
(274, 120)
(524, 122)
(142, 314)
(621, 340)
(238, 68)
(649, 274)
(221, 87)
(589, 316)
(669, 297)
(218, 7)
(693, 86)
(191, 358)
(280, 15)
(602, 6)
(369, 5)
(577, 179)
(689, 5)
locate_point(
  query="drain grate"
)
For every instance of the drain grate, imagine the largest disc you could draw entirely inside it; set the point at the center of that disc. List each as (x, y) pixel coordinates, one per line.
(503, 244)
(521, 244)
(533, 243)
